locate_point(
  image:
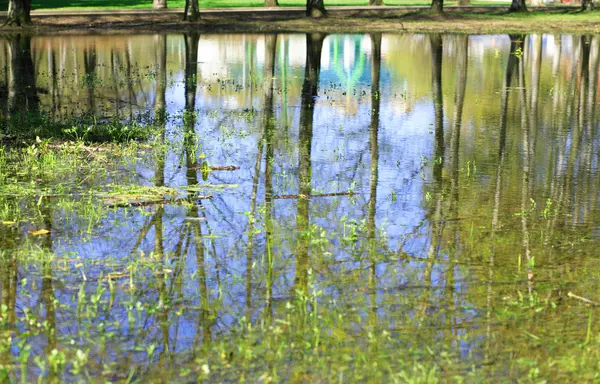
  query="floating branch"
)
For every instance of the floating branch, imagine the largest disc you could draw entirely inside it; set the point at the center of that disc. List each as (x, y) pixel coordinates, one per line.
(91, 151)
(145, 203)
(115, 276)
(587, 301)
(223, 168)
(80, 146)
(205, 167)
(303, 196)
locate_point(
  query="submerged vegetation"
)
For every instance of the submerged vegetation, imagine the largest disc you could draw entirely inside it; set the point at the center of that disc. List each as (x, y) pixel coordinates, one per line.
(316, 209)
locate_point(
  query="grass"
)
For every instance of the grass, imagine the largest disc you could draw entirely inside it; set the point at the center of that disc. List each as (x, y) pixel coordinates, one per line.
(146, 4)
(85, 129)
(493, 20)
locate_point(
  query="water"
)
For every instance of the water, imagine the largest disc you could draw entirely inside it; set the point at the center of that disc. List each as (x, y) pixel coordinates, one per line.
(380, 208)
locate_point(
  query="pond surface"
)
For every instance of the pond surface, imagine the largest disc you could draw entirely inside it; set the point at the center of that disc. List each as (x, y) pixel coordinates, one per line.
(303, 208)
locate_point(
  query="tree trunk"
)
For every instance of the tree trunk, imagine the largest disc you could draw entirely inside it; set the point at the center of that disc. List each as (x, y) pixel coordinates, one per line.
(18, 12)
(312, 70)
(518, 6)
(464, 2)
(22, 93)
(437, 6)
(526, 169)
(47, 289)
(269, 133)
(516, 44)
(310, 86)
(159, 4)
(271, 3)
(587, 5)
(191, 71)
(192, 10)
(89, 66)
(374, 134)
(535, 48)
(376, 2)
(438, 106)
(374, 173)
(315, 8)
(160, 104)
(435, 213)
(462, 53)
(203, 330)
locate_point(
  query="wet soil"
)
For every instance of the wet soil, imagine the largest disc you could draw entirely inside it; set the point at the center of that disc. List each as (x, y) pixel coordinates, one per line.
(477, 20)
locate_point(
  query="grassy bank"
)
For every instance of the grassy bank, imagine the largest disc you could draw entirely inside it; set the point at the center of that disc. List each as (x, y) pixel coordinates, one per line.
(493, 21)
(147, 4)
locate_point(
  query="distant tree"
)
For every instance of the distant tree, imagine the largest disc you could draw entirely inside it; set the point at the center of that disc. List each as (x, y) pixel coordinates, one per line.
(437, 6)
(376, 2)
(271, 3)
(159, 4)
(464, 2)
(518, 6)
(315, 8)
(192, 10)
(18, 12)
(587, 5)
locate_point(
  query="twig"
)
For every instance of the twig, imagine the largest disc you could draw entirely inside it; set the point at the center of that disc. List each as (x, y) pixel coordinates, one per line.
(587, 301)
(91, 151)
(217, 167)
(80, 146)
(303, 196)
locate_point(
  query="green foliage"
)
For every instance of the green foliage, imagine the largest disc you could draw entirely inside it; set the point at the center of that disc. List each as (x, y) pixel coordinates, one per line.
(86, 129)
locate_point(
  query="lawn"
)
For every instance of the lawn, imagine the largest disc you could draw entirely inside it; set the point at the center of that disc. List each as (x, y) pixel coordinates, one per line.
(130, 4)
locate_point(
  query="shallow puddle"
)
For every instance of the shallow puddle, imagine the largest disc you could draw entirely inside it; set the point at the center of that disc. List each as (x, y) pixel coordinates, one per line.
(303, 208)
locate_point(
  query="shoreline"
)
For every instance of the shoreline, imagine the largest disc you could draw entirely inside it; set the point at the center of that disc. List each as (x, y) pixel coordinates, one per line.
(477, 20)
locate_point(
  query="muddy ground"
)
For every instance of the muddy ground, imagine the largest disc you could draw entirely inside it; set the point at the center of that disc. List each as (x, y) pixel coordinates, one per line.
(357, 20)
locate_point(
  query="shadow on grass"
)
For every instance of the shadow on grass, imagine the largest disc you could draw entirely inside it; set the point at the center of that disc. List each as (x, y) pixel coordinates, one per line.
(49, 4)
